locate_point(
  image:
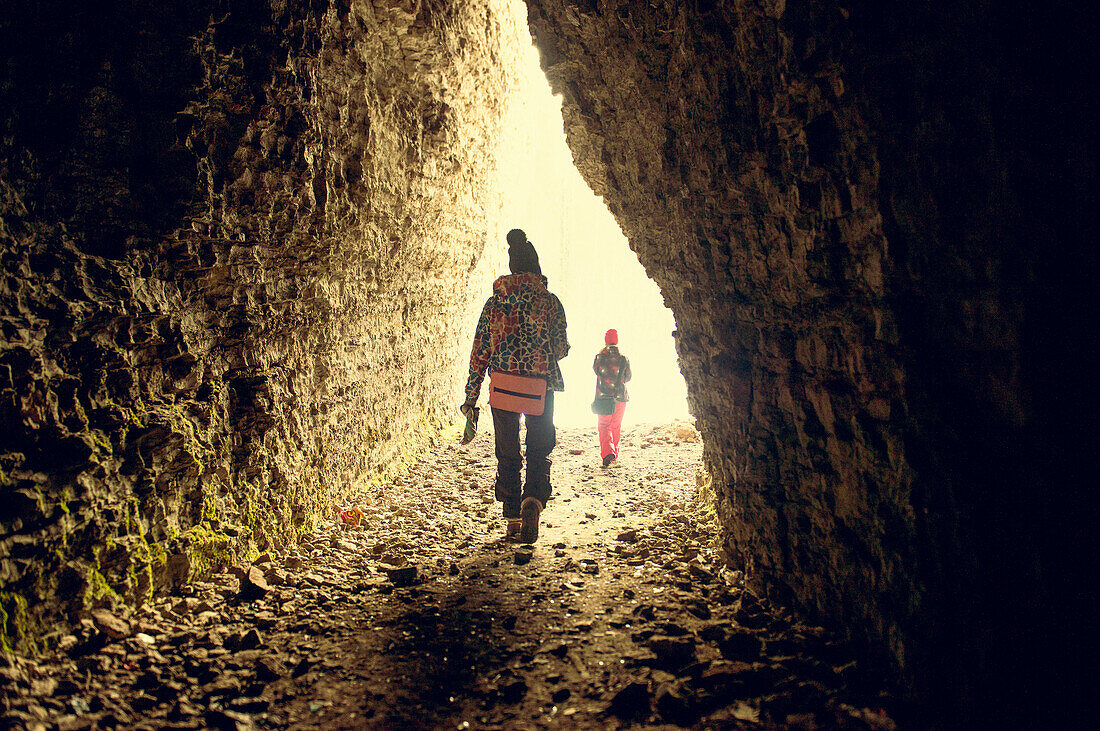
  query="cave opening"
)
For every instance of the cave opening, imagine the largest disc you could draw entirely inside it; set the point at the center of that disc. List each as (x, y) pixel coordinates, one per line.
(584, 254)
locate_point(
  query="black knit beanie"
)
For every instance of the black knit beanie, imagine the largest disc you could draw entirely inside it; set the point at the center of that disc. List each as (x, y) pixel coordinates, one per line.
(521, 254)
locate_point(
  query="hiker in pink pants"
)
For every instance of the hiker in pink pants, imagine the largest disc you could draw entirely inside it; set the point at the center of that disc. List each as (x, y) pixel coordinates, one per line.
(612, 372)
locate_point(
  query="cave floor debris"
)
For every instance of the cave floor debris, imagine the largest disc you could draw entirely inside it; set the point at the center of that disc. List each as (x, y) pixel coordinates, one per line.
(423, 616)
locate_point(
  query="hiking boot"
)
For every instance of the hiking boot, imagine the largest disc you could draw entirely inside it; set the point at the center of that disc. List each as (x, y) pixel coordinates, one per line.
(608, 460)
(512, 530)
(529, 513)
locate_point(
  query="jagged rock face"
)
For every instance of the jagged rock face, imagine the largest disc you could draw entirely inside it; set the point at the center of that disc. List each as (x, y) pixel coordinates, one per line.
(839, 204)
(236, 239)
(236, 242)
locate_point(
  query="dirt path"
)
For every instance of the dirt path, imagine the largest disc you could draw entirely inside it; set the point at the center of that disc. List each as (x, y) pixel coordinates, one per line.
(424, 617)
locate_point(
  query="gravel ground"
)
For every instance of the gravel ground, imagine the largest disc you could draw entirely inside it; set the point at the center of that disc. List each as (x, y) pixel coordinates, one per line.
(621, 614)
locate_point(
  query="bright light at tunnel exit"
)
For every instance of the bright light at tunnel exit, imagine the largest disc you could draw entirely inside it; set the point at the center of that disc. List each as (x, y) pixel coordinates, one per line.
(586, 259)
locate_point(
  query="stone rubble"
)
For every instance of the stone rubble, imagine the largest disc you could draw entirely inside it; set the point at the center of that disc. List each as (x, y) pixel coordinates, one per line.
(425, 616)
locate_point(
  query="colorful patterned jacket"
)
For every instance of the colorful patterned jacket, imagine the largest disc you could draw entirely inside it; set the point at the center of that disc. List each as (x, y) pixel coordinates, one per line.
(612, 372)
(521, 331)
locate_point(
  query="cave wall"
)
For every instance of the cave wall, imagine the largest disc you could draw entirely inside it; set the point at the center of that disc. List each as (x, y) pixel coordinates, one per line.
(237, 241)
(872, 225)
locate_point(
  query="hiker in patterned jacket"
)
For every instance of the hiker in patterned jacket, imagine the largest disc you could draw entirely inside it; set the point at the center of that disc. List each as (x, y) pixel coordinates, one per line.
(612, 372)
(521, 332)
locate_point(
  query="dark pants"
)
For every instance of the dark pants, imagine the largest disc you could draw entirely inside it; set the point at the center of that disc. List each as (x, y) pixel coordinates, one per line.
(541, 439)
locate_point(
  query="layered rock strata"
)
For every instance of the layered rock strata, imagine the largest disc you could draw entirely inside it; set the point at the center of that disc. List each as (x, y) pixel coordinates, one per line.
(840, 204)
(237, 240)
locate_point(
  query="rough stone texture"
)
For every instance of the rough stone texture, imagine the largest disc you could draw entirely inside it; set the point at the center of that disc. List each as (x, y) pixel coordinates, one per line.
(237, 240)
(860, 215)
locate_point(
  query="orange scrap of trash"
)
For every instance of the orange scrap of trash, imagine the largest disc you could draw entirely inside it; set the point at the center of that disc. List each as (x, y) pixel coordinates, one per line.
(352, 516)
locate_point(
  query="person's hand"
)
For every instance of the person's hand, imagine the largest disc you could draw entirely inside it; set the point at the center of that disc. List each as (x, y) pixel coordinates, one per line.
(465, 408)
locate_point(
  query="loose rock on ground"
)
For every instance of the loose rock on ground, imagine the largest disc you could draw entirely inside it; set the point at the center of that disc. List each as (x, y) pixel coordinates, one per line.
(423, 616)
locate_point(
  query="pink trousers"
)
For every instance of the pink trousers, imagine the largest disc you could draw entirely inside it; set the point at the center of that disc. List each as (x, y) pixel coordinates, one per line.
(610, 426)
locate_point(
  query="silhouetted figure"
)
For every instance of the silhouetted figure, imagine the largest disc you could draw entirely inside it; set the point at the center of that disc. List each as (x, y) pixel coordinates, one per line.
(612, 372)
(520, 339)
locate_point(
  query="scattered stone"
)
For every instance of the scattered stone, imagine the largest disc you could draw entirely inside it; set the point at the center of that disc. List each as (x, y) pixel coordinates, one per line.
(513, 692)
(304, 665)
(700, 573)
(672, 629)
(200, 661)
(269, 669)
(676, 705)
(73, 723)
(401, 575)
(752, 617)
(273, 576)
(251, 640)
(631, 702)
(250, 705)
(740, 645)
(713, 633)
(672, 652)
(148, 680)
(225, 720)
(183, 710)
(232, 641)
(43, 687)
(699, 609)
(185, 607)
(111, 625)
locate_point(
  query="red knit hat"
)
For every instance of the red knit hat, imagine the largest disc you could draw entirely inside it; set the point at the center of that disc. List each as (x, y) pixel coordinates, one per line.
(611, 337)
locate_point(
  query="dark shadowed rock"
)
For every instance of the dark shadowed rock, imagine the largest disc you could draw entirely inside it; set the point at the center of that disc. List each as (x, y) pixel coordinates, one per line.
(254, 584)
(269, 668)
(513, 692)
(402, 575)
(225, 720)
(676, 704)
(672, 652)
(699, 573)
(631, 702)
(740, 645)
(251, 640)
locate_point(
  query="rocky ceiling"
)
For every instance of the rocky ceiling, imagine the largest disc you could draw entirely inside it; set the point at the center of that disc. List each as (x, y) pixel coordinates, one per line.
(239, 238)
